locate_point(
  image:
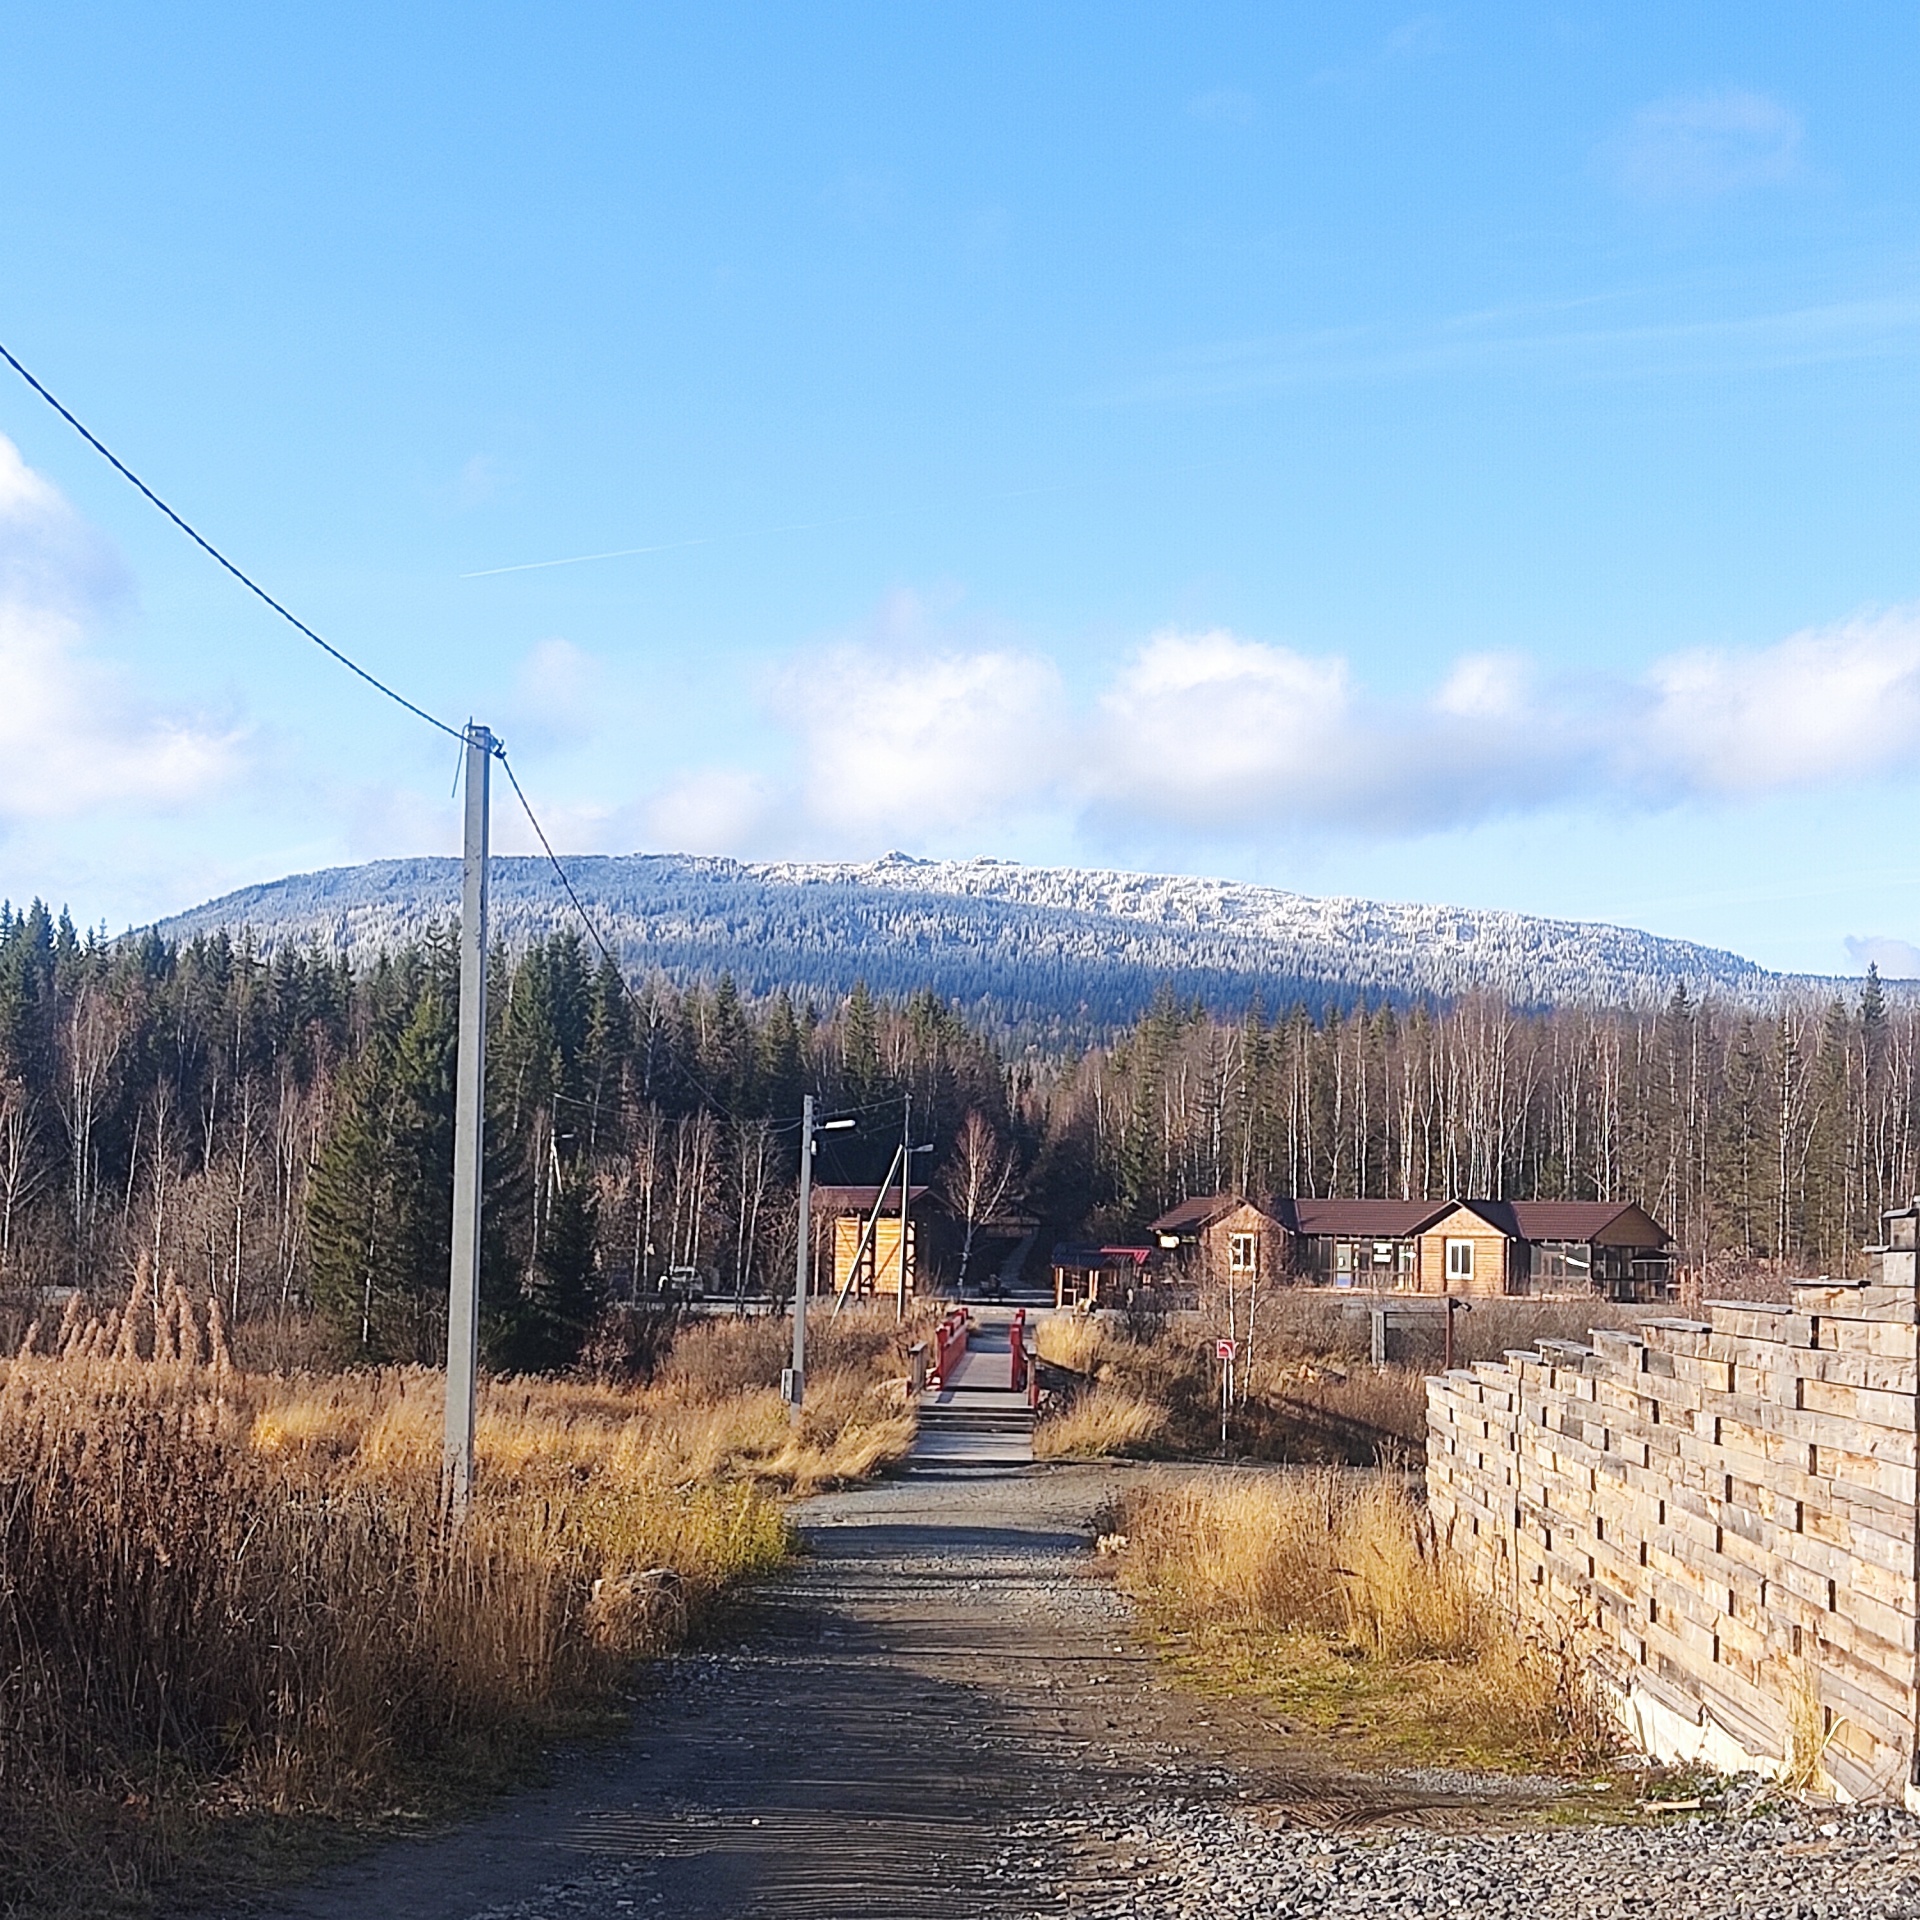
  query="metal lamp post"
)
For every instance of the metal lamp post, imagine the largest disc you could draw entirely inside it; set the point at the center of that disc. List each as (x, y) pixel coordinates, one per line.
(793, 1384)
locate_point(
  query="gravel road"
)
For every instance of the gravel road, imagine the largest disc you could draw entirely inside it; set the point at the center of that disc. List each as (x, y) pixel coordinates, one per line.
(944, 1712)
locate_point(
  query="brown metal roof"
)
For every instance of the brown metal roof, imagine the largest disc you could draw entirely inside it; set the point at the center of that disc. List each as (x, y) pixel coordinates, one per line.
(1608, 1222)
(831, 1199)
(1362, 1219)
(1202, 1210)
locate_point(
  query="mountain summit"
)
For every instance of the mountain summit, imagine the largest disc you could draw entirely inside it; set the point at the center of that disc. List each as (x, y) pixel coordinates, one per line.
(1032, 945)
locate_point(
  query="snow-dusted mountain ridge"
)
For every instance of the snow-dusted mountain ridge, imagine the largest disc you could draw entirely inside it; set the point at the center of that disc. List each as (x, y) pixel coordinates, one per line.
(1033, 945)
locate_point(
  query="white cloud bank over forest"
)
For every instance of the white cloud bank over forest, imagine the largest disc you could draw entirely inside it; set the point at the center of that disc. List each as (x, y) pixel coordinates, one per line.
(1215, 739)
(75, 735)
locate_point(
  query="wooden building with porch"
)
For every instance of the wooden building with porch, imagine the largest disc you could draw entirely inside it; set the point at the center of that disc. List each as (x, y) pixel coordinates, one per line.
(1547, 1247)
(1371, 1244)
(1468, 1247)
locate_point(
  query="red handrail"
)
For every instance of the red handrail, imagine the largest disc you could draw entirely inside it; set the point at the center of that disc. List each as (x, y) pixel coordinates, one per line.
(949, 1342)
(1017, 1348)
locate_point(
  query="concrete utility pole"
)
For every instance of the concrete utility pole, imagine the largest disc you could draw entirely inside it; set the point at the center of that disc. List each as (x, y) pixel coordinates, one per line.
(906, 1181)
(469, 1100)
(796, 1381)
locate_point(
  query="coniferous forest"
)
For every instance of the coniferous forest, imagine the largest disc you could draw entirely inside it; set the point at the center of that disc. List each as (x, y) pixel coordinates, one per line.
(279, 1133)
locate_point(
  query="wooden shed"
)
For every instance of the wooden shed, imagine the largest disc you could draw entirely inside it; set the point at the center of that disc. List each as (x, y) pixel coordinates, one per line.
(841, 1214)
(1089, 1278)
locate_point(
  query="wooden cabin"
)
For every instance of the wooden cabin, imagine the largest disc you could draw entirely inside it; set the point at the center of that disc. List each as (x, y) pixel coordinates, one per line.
(1464, 1252)
(1467, 1247)
(1231, 1237)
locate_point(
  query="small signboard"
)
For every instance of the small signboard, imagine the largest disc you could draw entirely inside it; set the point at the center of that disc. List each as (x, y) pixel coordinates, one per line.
(1223, 1349)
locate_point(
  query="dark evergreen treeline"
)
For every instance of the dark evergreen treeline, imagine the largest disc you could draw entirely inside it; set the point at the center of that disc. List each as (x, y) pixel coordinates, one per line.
(280, 1131)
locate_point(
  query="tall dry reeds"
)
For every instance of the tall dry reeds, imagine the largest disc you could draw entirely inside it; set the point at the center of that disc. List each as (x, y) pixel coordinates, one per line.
(228, 1595)
(1329, 1590)
(1103, 1423)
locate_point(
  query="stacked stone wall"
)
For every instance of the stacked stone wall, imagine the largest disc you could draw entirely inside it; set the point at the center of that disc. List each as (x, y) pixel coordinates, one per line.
(1717, 1517)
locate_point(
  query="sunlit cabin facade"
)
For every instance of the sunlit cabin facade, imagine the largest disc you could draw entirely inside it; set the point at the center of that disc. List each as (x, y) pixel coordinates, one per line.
(1467, 1247)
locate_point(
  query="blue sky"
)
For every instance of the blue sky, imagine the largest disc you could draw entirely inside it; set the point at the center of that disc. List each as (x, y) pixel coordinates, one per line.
(1463, 455)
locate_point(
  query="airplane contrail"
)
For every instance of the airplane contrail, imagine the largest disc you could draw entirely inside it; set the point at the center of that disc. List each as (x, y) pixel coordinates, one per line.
(574, 560)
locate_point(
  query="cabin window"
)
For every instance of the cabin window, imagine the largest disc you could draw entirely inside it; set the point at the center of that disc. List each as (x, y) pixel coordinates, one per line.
(1459, 1259)
(1243, 1253)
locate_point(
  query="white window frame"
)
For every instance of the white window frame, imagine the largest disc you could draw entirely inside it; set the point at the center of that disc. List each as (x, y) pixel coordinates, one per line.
(1459, 1260)
(1243, 1253)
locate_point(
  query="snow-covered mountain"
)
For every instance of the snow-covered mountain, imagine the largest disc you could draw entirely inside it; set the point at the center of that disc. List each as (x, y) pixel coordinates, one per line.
(1044, 946)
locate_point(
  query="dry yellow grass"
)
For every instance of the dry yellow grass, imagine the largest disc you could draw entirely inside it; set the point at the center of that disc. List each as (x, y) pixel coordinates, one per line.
(1328, 1591)
(229, 1597)
(1099, 1424)
(1078, 1341)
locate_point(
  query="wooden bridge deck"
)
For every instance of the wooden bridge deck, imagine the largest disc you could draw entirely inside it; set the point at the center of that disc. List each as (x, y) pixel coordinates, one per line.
(975, 1418)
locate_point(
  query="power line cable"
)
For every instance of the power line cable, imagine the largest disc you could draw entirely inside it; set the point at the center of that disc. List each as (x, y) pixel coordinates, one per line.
(200, 540)
(592, 927)
(607, 953)
(380, 686)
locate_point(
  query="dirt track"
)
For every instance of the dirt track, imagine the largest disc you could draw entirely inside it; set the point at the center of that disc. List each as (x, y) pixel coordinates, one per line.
(942, 1712)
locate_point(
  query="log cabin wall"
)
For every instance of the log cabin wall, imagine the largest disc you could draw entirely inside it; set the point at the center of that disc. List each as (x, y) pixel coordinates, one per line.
(1718, 1516)
(1271, 1248)
(1491, 1254)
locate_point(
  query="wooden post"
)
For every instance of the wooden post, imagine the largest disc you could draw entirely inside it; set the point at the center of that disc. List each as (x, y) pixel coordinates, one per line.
(906, 1182)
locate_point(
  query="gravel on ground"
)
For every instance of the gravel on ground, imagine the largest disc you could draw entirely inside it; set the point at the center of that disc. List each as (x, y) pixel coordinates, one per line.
(945, 1710)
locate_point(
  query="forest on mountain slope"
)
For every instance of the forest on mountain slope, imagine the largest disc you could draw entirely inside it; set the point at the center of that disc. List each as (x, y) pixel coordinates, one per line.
(278, 1132)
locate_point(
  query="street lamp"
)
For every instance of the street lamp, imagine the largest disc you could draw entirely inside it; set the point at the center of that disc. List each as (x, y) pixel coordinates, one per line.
(793, 1382)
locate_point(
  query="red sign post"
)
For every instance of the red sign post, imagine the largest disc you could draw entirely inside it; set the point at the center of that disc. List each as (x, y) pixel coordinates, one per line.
(1224, 1351)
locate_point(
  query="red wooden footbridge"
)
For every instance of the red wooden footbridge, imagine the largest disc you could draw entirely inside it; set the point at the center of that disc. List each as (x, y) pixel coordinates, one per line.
(977, 1388)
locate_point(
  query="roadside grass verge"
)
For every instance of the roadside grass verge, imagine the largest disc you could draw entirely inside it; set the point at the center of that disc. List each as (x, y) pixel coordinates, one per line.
(241, 1631)
(1327, 1594)
(1159, 1397)
(1311, 1393)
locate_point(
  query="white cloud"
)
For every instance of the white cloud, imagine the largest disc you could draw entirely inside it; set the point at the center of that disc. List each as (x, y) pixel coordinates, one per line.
(1487, 686)
(1896, 959)
(714, 810)
(75, 735)
(907, 745)
(1822, 705)
(1701, 147)
(1220, 739)
(1204, 729)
